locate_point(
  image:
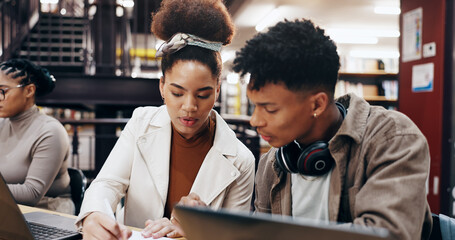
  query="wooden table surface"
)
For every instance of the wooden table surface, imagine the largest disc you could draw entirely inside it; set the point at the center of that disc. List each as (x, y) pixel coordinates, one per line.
(27, 209)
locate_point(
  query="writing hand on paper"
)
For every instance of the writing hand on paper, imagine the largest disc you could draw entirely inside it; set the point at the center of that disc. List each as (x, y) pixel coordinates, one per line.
(98, 225)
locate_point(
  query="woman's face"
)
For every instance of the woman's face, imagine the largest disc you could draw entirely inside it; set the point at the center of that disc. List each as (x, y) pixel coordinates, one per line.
(17, 99)
(189, 90)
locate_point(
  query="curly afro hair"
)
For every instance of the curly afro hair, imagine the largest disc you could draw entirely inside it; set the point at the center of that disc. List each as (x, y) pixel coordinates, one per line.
(28, 73)
(208, 19)
(296, 53)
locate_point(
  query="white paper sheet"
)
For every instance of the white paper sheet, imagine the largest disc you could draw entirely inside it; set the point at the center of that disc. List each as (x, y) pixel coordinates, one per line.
(138, 236)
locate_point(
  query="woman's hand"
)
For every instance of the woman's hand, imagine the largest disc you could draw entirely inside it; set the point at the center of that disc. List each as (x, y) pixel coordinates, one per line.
(161, 228)
(170, 228)
(98, 225)
(191, 200)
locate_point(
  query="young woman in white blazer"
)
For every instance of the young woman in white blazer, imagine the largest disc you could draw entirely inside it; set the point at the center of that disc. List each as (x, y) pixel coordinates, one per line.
(139, 167)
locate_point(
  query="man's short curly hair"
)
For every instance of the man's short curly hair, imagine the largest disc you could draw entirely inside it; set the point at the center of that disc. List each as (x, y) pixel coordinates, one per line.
(296, 53)
(208, 19)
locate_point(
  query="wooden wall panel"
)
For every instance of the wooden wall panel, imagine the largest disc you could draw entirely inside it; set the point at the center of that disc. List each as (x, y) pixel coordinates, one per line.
(426, 108)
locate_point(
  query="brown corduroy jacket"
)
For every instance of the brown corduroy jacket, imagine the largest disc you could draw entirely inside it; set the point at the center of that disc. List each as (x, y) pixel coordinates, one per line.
(381, 164)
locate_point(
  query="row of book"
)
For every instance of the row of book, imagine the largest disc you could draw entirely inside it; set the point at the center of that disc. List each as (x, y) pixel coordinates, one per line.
(361, 65)
(67, 113)
(388, 89)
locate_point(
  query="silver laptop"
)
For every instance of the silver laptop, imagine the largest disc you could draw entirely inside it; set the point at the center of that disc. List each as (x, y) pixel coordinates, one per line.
(206, 224)
(39, 225)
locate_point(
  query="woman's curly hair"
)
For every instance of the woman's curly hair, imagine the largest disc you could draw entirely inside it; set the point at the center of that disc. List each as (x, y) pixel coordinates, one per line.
(208, 19)
(296, 53)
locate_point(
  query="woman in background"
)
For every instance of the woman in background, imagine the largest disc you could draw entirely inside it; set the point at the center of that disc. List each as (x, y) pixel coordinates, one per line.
(165, 153)
(34, 147)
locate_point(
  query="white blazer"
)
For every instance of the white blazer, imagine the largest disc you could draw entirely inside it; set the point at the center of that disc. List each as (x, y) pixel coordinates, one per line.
(138, 168)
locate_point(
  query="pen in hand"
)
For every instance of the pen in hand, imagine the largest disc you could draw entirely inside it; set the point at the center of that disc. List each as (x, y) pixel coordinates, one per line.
(124, 232)
(109, 209)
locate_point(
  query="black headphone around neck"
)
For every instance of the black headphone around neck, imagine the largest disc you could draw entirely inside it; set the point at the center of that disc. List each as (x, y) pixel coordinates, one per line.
(314, 160)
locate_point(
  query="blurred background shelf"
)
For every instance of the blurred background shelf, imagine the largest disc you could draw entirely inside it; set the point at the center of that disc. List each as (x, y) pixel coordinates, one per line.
(379, 99)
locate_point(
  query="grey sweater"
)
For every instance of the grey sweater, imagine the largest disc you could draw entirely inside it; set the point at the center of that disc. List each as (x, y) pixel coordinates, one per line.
(34, 149)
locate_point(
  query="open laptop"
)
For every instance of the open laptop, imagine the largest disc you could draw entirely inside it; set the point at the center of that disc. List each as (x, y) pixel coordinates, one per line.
(39, 225)
(204, 224)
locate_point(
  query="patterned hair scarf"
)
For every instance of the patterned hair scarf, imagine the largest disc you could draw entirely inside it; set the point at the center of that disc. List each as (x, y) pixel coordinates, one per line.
(180, 40)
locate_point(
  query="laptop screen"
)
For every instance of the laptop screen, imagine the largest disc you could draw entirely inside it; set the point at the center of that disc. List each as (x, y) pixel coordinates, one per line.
(204, 224)
(40, 225)
(12, 222)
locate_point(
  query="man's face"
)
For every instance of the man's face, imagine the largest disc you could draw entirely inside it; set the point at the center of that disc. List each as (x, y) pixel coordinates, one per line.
(281, 116)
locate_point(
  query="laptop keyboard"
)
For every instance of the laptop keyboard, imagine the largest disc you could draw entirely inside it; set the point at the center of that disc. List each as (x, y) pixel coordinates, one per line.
(44, 232)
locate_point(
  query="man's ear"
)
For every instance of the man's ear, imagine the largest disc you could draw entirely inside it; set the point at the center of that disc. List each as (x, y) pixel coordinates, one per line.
(320, 102)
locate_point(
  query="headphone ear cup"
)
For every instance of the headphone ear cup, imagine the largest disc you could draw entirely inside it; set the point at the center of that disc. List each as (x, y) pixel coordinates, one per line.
(284, 157)
(315, 160)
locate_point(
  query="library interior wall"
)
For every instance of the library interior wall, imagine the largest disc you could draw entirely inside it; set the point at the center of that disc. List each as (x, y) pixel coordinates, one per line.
(426, 108)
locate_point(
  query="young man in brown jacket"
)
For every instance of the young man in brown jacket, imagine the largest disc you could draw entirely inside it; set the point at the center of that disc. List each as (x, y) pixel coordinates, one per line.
(337, 160)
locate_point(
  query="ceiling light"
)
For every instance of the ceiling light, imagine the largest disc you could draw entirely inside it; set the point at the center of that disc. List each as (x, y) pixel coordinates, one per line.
(387, 10)
(92, 10)
(273, 17)
(119, 11)
(374, 54)
(354, 39)
(126, 3)
(362, 32)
